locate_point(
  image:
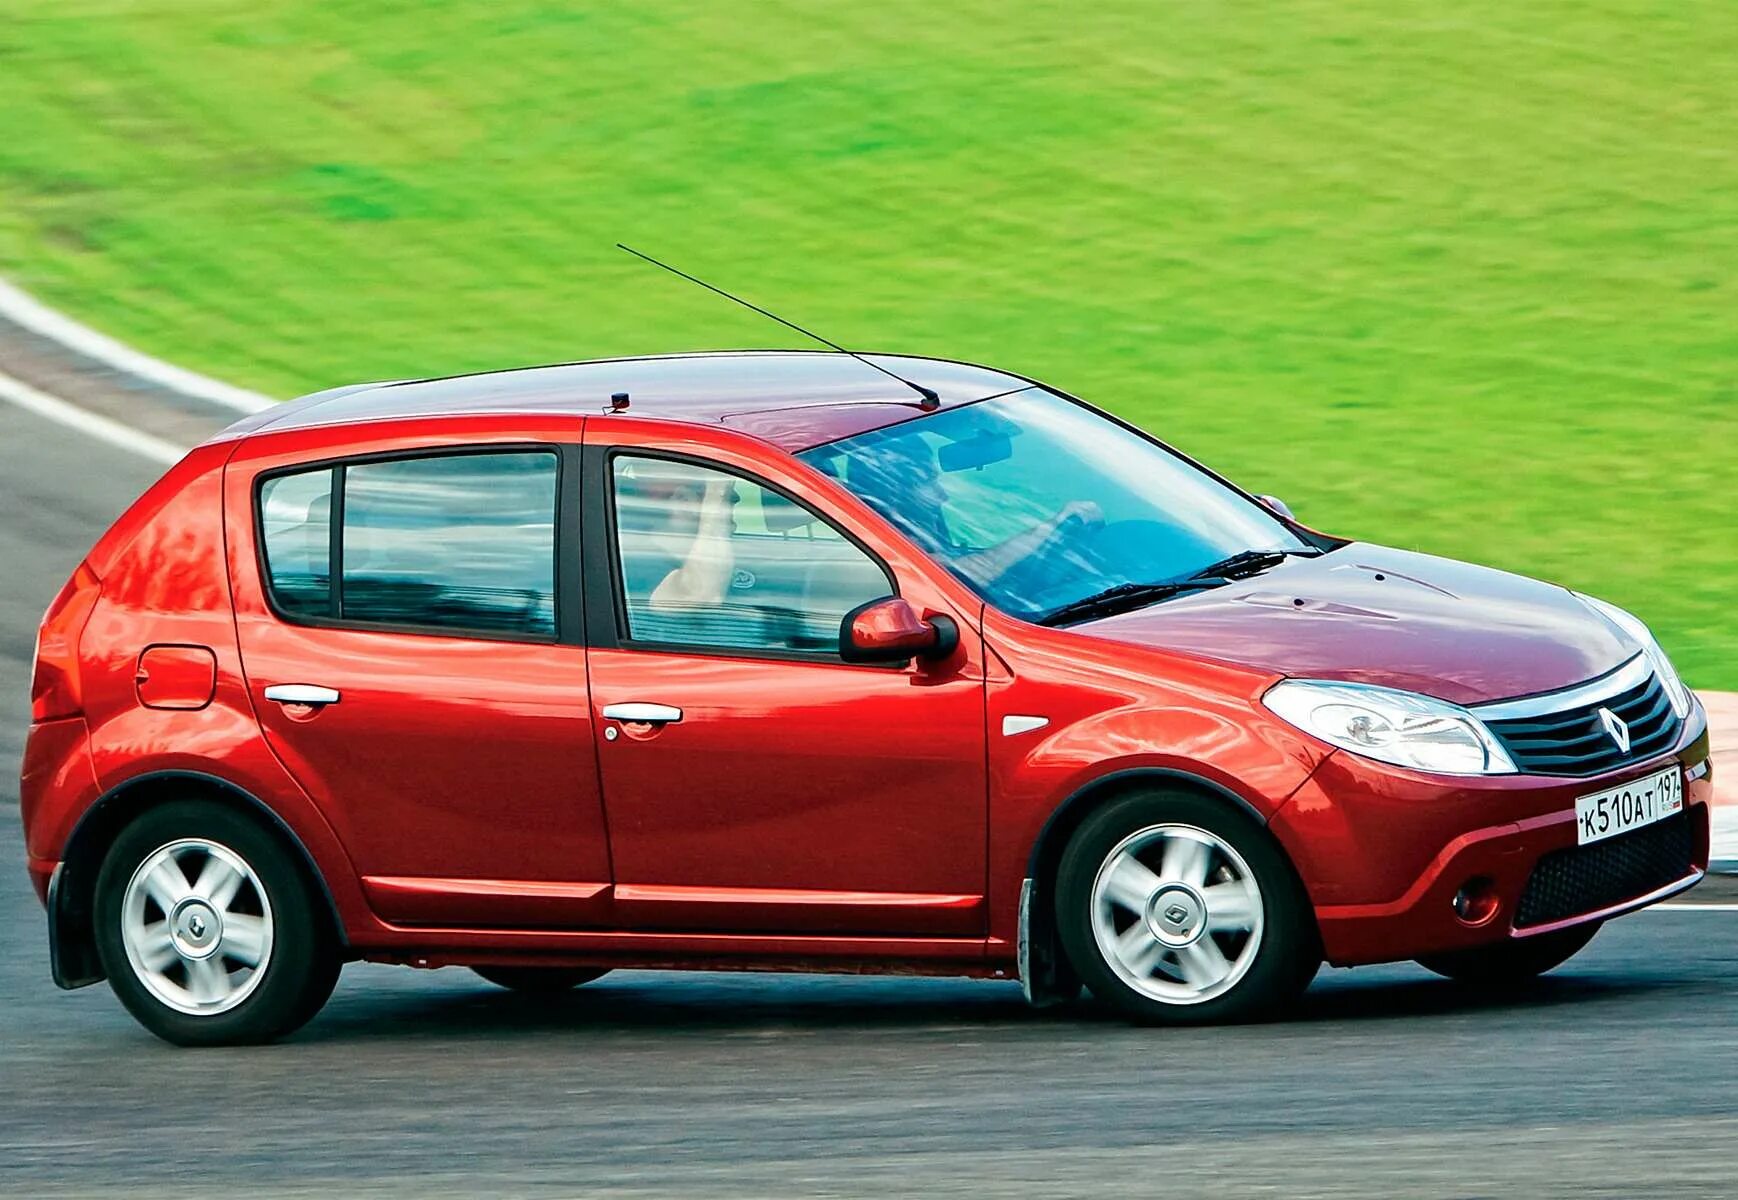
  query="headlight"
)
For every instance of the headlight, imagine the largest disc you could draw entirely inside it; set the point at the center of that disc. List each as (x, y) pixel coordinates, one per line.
(1644, 639)
(1391, 726)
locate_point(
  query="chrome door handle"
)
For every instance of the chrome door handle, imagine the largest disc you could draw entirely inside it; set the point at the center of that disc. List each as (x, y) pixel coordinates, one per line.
(301, 693)
(643, 714)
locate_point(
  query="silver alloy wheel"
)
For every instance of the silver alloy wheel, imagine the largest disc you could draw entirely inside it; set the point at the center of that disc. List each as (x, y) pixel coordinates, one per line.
(197, 926)
(1177, 913)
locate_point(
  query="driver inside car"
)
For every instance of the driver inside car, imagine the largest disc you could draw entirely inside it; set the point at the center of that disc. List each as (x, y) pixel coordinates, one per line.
(889, 477)
(677, 521)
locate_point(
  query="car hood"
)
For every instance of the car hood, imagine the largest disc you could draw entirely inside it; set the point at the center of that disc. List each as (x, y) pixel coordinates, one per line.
(1371, 614)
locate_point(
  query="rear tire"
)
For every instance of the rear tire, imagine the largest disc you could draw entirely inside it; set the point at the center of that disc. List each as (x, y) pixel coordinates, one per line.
(1512, 962)
(209, 928)
(545, 981)
(1175, 908)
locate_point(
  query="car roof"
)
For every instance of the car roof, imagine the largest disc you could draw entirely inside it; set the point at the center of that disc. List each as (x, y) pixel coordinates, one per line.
(794, 399)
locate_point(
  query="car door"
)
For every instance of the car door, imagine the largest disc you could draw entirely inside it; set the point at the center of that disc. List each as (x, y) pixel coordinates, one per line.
(400, 633)
(753, 781)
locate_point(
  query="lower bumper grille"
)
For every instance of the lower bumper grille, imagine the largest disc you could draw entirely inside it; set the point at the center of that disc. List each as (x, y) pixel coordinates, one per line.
(1582, 879)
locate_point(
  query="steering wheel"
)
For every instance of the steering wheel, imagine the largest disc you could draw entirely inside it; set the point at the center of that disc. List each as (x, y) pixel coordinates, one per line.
(1049, 576)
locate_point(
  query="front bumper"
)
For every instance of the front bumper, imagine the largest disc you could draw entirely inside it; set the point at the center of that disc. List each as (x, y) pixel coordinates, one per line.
(1383, 852)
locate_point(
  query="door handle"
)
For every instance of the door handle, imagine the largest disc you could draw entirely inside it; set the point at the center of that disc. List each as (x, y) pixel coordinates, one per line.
(643, 714)
(302, 693)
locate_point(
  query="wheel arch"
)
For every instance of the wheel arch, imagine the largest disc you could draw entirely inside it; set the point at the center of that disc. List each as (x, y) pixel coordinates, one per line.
(1068, 815)
(72, 889)
(1044, 968)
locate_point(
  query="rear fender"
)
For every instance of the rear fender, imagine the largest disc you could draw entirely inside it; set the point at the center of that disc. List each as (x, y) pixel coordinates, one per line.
(72, 887)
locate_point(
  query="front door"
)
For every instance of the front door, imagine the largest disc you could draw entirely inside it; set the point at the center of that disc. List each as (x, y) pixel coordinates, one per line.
(753, 781)
(403, 653)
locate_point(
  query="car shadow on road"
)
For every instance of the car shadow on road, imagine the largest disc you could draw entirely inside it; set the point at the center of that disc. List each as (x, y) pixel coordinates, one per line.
(1350, 999)
(708, 1004)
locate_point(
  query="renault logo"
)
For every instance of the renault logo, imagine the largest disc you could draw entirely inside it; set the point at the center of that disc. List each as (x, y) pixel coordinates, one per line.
(1616, 728)
(1176, 914)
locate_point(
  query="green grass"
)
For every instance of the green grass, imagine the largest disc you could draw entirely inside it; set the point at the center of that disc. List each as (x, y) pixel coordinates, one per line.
(1461, 277)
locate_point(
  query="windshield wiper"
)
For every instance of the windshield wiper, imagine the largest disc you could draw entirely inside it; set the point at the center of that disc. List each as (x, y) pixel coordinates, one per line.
(1248, 562)
(1126, 596)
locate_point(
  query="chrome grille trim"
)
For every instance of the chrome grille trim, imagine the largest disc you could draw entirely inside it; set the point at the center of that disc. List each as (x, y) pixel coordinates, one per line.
(1571, 733)
(1613, 683)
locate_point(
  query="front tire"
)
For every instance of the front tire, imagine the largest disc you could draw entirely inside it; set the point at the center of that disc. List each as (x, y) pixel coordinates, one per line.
(1175, 908)
(1513, 962)
(210, 931)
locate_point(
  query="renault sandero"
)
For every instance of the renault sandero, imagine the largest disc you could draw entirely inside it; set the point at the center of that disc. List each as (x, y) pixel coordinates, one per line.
(773, 661)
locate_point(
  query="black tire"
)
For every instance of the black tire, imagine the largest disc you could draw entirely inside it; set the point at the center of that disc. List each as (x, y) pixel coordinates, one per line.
(1285, 958)
(302, 967)
(1512, 962)
(542, 981)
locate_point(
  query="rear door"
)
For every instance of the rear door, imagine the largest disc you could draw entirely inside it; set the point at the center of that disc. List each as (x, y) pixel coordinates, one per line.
(400, 629)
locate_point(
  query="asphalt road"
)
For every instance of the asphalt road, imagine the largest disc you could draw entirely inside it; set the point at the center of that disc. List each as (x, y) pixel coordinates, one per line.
(1611, 1078)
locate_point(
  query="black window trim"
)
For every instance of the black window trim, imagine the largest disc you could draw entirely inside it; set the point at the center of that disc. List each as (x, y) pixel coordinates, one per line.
(569, 615)
(606, 605)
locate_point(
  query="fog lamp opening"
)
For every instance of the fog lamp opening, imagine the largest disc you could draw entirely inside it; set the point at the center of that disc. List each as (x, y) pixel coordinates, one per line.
(1476, 903)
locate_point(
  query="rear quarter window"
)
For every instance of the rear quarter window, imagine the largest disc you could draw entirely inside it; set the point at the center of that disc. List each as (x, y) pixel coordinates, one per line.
(296, 523)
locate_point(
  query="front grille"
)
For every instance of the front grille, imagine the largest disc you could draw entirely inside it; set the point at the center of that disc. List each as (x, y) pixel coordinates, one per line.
(1582, 879)
(1574, 740)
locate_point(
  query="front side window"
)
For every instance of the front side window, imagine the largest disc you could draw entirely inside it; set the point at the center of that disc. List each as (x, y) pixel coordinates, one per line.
(1037, 502)
(712, 559)
(459, 542)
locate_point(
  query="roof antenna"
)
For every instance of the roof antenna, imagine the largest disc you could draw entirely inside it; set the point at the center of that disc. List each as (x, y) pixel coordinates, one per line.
(929, 401)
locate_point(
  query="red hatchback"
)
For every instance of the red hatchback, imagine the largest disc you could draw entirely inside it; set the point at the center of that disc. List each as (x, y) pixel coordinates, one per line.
(758, 661)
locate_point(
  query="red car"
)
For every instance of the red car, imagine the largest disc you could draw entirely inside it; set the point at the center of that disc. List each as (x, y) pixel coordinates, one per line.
(762, 661)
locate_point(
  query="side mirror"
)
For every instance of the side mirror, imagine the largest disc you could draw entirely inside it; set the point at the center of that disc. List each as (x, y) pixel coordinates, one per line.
(889, 630)
(1279, 506)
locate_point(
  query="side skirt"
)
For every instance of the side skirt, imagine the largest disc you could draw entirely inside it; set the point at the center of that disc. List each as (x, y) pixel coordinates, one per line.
(988, 958)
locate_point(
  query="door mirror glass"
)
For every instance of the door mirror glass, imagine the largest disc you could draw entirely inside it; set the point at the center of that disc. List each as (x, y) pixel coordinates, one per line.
(890, 630)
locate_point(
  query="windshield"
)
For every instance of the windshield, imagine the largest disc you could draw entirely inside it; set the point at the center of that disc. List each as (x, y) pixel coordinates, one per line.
(1037, 502)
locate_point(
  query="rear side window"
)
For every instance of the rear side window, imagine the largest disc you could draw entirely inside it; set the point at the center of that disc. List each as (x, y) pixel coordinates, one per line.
(462, 542)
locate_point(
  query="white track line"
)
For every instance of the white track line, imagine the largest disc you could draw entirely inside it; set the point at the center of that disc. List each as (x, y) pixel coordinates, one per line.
(1693, 908)
(105, 429)
(23, 309)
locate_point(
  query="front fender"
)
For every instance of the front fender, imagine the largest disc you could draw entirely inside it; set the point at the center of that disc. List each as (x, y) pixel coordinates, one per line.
(1208, 731)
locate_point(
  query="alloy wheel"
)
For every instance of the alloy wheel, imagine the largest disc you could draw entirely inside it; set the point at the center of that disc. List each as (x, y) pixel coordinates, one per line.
(1177, 913)
(197, 926)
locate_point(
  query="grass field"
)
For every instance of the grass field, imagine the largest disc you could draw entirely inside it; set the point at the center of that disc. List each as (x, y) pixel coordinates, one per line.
(1461, 277)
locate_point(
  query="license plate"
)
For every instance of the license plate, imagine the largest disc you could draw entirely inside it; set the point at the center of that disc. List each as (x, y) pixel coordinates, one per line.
(1607, 814)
